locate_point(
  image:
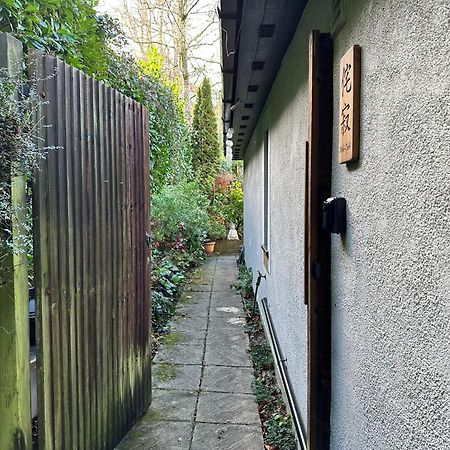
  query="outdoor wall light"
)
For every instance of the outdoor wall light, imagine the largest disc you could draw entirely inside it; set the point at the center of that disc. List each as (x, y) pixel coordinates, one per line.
(233, 107)
(335, 215)
(229, 143)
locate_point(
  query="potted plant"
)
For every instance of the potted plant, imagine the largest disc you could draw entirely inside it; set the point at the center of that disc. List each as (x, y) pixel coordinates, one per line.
(216, 230)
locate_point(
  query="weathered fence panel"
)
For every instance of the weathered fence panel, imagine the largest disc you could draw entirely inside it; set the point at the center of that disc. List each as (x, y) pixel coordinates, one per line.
(91, 209)
(15, 410)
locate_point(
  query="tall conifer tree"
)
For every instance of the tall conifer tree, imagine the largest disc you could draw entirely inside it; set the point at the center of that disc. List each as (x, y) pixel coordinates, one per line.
(206, 151)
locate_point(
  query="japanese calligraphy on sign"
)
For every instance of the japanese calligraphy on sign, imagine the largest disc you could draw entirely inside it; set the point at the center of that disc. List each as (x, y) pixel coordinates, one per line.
(349, 104)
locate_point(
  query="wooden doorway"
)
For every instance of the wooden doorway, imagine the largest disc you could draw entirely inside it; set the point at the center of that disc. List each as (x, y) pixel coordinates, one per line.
(317, 240)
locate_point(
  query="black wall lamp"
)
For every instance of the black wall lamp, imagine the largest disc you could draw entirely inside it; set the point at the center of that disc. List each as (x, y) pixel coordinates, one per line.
(335, 215)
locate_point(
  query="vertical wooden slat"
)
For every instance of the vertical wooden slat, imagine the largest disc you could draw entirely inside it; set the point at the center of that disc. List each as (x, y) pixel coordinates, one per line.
(147, 261)
(76, 184)
(318, 246)
(54, 263)
(124, 261)
(85, 258)
(115, 214)
(61, 250)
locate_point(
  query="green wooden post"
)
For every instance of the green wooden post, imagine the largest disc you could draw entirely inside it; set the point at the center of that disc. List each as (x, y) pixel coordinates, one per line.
(15, 410)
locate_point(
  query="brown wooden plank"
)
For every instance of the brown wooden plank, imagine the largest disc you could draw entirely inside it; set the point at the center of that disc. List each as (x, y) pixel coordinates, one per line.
(349, 105)
(77, 142)
(147, 274)
(318, 282)
(307, 262)
(124, 260)
(40, 235)
(107, 257)
(53, 226)
(85, 258)
(118, 258)
(61, 209)
(91, 280)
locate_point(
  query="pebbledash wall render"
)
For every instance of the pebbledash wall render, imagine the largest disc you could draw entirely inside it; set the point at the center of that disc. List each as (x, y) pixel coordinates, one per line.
(391, 271)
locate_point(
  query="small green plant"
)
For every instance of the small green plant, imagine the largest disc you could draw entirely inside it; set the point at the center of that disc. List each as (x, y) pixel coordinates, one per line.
(276, 423)
(244, 284)
(262, 356)
(279, 432)
(262, 392)
(215, 230)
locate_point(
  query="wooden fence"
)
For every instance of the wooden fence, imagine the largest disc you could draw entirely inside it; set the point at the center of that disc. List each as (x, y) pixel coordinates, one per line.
(91, 204)
(91, 208)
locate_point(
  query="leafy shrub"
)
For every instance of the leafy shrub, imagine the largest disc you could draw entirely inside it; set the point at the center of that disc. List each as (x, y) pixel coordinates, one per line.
(169, 133)
(70, 28)
(279, 432)
(19, 155)
(228, 203)
(244, 284)
(215, 230)
(180, 218)
(167, 279)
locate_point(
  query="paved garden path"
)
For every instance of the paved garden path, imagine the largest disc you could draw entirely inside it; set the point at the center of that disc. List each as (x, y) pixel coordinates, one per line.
(202, 395)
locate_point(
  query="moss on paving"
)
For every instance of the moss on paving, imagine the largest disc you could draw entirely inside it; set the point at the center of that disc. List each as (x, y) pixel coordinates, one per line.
(151, 416)
(173, 338)
(165, 371)
(185, 299)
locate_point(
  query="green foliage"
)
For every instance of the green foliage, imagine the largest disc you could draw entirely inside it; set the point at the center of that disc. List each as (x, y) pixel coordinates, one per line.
(262, 356)
(206, 148)
(280, 434)
(228, 204)
(167, 279)
(169, 134)
(215, 230)
(244, 283)
(276, 423)
(262, 392)
(19, 155)
(180, 217)
(70, 28)
(81, 37)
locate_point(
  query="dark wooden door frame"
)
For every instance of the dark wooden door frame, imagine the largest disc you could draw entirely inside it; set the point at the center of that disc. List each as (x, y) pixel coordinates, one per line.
(317, 240)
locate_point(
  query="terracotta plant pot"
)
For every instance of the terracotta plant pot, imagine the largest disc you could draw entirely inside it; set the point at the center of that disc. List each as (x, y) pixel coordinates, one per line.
(209, 247)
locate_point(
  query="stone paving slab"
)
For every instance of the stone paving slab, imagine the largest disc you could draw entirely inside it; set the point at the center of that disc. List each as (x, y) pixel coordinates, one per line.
(219, 407)
(227, 379)
(180, 354)
(193, 309)
(225, 355)
(190, 323)
(227, 437)
(226, 311)
(158, 436)
(171, 404)
(187, 337)
(202, 374)
(228, 337)
(229, 322)
(172, 376)
(220, 297)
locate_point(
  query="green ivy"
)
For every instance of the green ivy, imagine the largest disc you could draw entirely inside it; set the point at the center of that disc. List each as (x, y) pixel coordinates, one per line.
(69, 28)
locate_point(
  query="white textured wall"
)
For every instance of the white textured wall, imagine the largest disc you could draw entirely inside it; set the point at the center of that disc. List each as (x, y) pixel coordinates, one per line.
(391, 273)
(285, 116)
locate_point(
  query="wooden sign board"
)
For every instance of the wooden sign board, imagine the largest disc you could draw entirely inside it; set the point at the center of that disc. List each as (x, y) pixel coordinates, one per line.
(349, 105)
